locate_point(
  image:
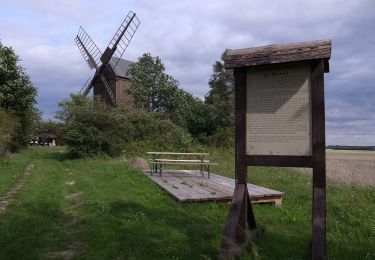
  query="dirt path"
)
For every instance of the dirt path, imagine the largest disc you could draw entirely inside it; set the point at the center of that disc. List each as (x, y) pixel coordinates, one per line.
(71, 227)
(8, 198)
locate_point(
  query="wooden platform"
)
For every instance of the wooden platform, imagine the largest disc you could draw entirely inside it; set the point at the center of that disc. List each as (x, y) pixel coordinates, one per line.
(189, 185)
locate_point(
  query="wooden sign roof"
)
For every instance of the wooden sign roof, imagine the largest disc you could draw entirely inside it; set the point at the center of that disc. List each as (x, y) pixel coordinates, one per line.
(274, 54)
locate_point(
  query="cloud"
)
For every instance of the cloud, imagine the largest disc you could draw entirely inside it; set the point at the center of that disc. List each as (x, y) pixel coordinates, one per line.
(190, 35)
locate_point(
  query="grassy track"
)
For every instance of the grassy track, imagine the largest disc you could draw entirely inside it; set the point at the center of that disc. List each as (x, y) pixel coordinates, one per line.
(110, 211)
(11, 169)
(30, 226)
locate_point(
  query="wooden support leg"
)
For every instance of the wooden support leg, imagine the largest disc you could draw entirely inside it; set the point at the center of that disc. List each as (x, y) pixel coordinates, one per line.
(236, 227)
(250, 214)
(319, 215)
(242, 223)
(241, 213)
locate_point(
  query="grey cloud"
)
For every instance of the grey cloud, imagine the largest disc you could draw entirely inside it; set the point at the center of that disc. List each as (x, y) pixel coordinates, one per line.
(190, 35)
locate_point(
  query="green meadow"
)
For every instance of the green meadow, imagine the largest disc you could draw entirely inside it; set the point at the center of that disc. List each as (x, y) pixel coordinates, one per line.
(102, 209)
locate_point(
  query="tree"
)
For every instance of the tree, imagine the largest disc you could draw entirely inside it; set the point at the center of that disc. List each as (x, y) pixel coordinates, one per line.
(191, 113)
(7, 127)
(17, 97)
(220, 97)
(151, 88)
(157, 92)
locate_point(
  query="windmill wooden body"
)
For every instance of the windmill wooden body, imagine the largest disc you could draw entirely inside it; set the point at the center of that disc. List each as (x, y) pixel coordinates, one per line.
(110, 80)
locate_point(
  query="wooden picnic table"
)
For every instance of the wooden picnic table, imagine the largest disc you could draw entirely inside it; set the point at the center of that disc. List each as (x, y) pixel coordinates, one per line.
(156, 162)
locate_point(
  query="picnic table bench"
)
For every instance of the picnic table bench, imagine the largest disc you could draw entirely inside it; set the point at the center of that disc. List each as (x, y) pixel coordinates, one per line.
(157, 163)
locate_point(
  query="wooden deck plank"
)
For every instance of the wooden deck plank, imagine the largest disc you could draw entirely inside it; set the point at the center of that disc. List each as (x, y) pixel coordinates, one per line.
(189, 185)
(185, 192)
(199, 191)
(174, 185)
(212, 185)
(182, 191)
(229, 184)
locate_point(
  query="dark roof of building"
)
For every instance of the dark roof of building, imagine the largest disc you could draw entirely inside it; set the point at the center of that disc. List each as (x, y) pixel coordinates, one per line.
(273, 54)
(122, 67)
(45, 135)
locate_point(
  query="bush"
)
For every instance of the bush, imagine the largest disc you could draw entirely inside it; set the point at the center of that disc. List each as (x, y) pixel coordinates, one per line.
(7, 128)
(224, 137)
(152, 131)
(93, 128)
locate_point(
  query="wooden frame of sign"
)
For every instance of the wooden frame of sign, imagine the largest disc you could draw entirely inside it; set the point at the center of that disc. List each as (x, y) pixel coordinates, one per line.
(279, 121)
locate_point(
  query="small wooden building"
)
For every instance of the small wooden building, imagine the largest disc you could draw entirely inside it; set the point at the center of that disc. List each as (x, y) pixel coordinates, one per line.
(119, 81)
(47, 139)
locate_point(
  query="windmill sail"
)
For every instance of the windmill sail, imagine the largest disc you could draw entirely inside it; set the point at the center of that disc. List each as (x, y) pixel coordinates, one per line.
(86, 87)
(88, 48)
(121, 39)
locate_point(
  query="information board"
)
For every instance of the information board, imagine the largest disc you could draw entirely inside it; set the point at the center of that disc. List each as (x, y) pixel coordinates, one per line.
(278, 118)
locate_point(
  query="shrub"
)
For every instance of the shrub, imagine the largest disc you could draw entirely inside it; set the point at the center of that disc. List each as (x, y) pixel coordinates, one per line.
(7, 128)
(152, 131)
(93, 128)
(224, 137)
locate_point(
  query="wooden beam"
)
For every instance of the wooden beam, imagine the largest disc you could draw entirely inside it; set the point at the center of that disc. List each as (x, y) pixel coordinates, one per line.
(240, 213)
(240, 125)
(319, 162)
(250, 213)
(233, 226)
(279, 160)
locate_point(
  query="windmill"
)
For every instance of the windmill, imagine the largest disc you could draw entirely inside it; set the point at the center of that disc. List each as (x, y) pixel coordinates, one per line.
(108, 65)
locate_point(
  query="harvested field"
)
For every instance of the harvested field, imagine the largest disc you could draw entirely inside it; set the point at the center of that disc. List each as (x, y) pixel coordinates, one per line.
(350, 167)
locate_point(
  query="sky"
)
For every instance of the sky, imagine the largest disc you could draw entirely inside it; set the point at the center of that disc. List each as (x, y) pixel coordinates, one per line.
(189, 36)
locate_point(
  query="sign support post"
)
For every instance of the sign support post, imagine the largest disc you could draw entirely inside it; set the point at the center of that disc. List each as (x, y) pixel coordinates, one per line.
(319, 162)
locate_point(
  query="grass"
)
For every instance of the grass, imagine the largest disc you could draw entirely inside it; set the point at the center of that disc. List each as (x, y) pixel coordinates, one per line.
(119, 213)
(30, 226)
(11, 169)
